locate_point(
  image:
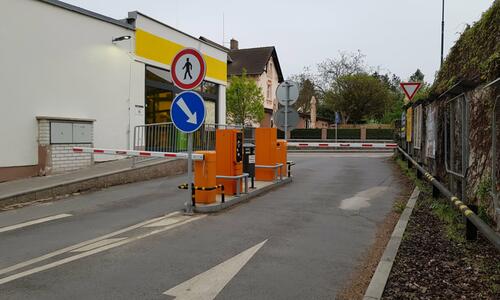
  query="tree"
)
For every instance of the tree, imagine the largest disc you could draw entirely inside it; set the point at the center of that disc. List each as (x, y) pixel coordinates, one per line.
(347, 63)
(244, 100)
(358, 97)
(418, 76)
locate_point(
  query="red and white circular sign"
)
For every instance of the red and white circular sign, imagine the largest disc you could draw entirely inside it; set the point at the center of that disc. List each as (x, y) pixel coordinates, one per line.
(188, 69)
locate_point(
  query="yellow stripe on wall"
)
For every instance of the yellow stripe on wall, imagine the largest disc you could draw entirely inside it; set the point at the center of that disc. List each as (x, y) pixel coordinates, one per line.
(163, 51)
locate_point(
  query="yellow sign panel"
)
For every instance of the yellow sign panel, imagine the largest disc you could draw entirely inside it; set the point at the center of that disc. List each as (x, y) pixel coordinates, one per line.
(156, 48)
(409, 123)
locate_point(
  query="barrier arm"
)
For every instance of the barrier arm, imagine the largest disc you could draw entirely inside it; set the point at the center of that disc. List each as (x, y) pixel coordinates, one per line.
(136, 153)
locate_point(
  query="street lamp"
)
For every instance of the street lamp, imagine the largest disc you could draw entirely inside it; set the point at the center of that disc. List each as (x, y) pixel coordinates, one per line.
(121, 38)
(442, 32)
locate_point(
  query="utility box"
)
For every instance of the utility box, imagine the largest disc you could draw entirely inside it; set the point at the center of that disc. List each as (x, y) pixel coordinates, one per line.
(229, 149)
(281, 155)
(265, 152)
(204, 176)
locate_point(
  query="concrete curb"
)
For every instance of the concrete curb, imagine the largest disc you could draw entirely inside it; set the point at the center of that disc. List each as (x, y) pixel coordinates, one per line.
(244, 197)
(379, 279)
(105, 179)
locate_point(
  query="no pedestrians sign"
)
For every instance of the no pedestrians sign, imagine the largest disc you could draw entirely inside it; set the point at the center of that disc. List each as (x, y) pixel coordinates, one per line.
(188, 69)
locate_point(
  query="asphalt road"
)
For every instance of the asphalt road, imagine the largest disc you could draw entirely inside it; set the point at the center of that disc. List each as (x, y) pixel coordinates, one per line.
(301, 241)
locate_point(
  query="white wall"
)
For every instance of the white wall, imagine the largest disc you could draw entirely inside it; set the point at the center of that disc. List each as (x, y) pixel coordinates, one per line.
(58, 63)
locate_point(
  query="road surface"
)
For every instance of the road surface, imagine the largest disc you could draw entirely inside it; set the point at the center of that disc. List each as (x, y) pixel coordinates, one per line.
(300, 241)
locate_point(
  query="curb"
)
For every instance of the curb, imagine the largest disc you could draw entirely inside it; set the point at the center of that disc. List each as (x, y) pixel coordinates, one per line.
(105, 179)
(379, 279)
(244, 197)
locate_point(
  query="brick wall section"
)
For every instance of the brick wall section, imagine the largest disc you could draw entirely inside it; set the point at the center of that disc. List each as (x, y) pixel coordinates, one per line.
(43, 132)
(63, 159)
(60, 158)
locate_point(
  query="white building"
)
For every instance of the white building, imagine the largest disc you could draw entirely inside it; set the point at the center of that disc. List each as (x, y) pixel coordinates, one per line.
(64, 82)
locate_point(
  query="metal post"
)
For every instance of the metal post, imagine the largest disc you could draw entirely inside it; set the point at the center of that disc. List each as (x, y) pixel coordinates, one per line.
(435, 191)
(189, 204)
(470, 229)
(336, 125)
(494, 192)
(286, 109)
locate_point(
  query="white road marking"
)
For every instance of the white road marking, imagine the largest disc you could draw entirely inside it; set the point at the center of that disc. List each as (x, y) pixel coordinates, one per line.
(94, 251)
(98, 244)
(33, 222)
(361, 199)
(169, 221)
(207, 285)
(70, 248)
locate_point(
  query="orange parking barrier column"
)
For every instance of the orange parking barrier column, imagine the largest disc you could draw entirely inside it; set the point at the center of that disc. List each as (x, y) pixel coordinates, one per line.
(204, 175)
(226, 142)
(265, 152)
(281, 155)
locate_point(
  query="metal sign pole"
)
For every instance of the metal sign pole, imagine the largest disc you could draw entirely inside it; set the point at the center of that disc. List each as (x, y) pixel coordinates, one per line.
(286, 109)
(189, 204)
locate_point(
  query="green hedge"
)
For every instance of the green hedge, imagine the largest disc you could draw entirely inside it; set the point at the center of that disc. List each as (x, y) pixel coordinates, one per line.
(344, 134)
(307, 134)
(379, 134)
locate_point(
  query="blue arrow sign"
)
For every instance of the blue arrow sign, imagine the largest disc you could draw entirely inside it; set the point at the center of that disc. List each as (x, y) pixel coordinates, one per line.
(188, 111)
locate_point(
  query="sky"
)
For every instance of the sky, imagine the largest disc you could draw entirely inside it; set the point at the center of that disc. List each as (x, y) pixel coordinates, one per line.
(396, 36)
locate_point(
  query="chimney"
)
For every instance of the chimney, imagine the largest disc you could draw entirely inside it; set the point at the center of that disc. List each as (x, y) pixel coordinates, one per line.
(234, 44)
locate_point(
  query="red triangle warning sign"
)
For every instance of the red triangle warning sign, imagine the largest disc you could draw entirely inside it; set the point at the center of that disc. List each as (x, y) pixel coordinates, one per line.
(410, 88)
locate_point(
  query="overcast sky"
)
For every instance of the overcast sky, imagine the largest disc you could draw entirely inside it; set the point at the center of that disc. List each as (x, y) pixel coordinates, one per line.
(396, 35)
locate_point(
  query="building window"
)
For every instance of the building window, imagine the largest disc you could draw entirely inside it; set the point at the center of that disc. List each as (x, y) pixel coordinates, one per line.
(270, 69)
(269, 92)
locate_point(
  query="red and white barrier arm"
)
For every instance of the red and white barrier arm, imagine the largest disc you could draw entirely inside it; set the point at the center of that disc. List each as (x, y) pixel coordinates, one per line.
(136, 153)
(345, 145)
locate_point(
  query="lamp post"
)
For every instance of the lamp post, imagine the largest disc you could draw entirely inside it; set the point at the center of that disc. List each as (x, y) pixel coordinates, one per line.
(442, 32)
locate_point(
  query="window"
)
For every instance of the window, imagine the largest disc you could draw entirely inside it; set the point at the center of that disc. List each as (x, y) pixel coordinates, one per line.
(269, 92)
(270, 69)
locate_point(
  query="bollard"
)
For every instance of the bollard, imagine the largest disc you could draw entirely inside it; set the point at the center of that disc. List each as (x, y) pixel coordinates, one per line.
(470, 229)
(223, 199)
(193, 197)
(435, 192)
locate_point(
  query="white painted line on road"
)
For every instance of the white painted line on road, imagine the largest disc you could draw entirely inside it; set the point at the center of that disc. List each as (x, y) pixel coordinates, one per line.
(33, 222)
(94, 251)
(167, 222)
(361, 199)
(98, 244)
(70, 248)
(207, 285)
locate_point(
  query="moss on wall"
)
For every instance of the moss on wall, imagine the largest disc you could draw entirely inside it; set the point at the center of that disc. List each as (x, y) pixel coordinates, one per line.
(476, 54)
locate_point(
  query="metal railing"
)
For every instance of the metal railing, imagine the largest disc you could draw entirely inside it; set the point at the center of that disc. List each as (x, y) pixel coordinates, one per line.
(486, 230)
(165, 137)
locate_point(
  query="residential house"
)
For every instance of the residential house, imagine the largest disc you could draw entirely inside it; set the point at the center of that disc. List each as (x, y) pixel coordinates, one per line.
(262, 65)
